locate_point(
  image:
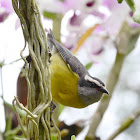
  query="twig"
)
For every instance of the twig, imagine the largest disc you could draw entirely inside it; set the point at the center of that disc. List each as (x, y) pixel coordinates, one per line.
(15, 61)
(19, 120)
(57, 129)
(25, 109)
(125, 124)
(45, 127)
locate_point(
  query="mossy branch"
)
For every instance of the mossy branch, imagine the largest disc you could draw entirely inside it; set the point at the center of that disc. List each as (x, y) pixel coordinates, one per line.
(125, 124)
(127, 41)
(37, 72)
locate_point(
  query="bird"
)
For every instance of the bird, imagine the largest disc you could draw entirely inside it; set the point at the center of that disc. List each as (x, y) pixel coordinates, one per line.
(71, 83)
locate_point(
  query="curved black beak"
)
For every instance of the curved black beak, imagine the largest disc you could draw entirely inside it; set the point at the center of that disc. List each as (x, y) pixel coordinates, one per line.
(104, 90)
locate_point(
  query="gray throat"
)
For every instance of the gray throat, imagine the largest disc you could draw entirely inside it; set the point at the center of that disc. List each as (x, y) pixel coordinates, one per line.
(89, 95)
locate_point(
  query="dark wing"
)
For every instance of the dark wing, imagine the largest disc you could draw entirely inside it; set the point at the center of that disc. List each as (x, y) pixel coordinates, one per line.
(68, 57)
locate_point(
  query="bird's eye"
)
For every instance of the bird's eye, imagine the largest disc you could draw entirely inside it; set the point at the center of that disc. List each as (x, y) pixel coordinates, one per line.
(93, 83)
(96, 86)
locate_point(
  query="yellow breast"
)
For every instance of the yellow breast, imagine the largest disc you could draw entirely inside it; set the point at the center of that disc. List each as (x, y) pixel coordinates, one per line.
(64, 83)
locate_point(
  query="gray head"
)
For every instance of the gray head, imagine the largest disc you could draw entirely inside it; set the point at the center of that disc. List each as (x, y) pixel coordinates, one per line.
(91, 89)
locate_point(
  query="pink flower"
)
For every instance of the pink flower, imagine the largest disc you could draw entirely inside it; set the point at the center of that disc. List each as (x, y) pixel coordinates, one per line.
(5, 9)
(113, 24)
(111, 4)
(107, 31)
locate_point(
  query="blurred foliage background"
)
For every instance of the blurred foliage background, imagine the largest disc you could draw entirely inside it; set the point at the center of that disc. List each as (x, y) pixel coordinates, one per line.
(104, 35)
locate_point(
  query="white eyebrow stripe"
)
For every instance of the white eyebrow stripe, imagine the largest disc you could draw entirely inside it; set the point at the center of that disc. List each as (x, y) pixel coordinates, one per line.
(88, 78)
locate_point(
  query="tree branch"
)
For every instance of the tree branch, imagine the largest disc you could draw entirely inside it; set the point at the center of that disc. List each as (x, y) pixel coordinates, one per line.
(125, 124)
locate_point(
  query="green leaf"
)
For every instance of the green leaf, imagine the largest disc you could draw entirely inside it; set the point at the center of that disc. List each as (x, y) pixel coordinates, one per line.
(49, 15)
(136, 15)
(131, 4)
(21, 112)
(53, 138)
(89, 65)
(1, 63)
(61, 107)
(20, 138)
(9, 122)
(120, 1)
(73, 137)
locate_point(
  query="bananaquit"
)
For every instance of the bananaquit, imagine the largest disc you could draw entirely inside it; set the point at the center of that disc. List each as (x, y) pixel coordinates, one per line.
(71, 84)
